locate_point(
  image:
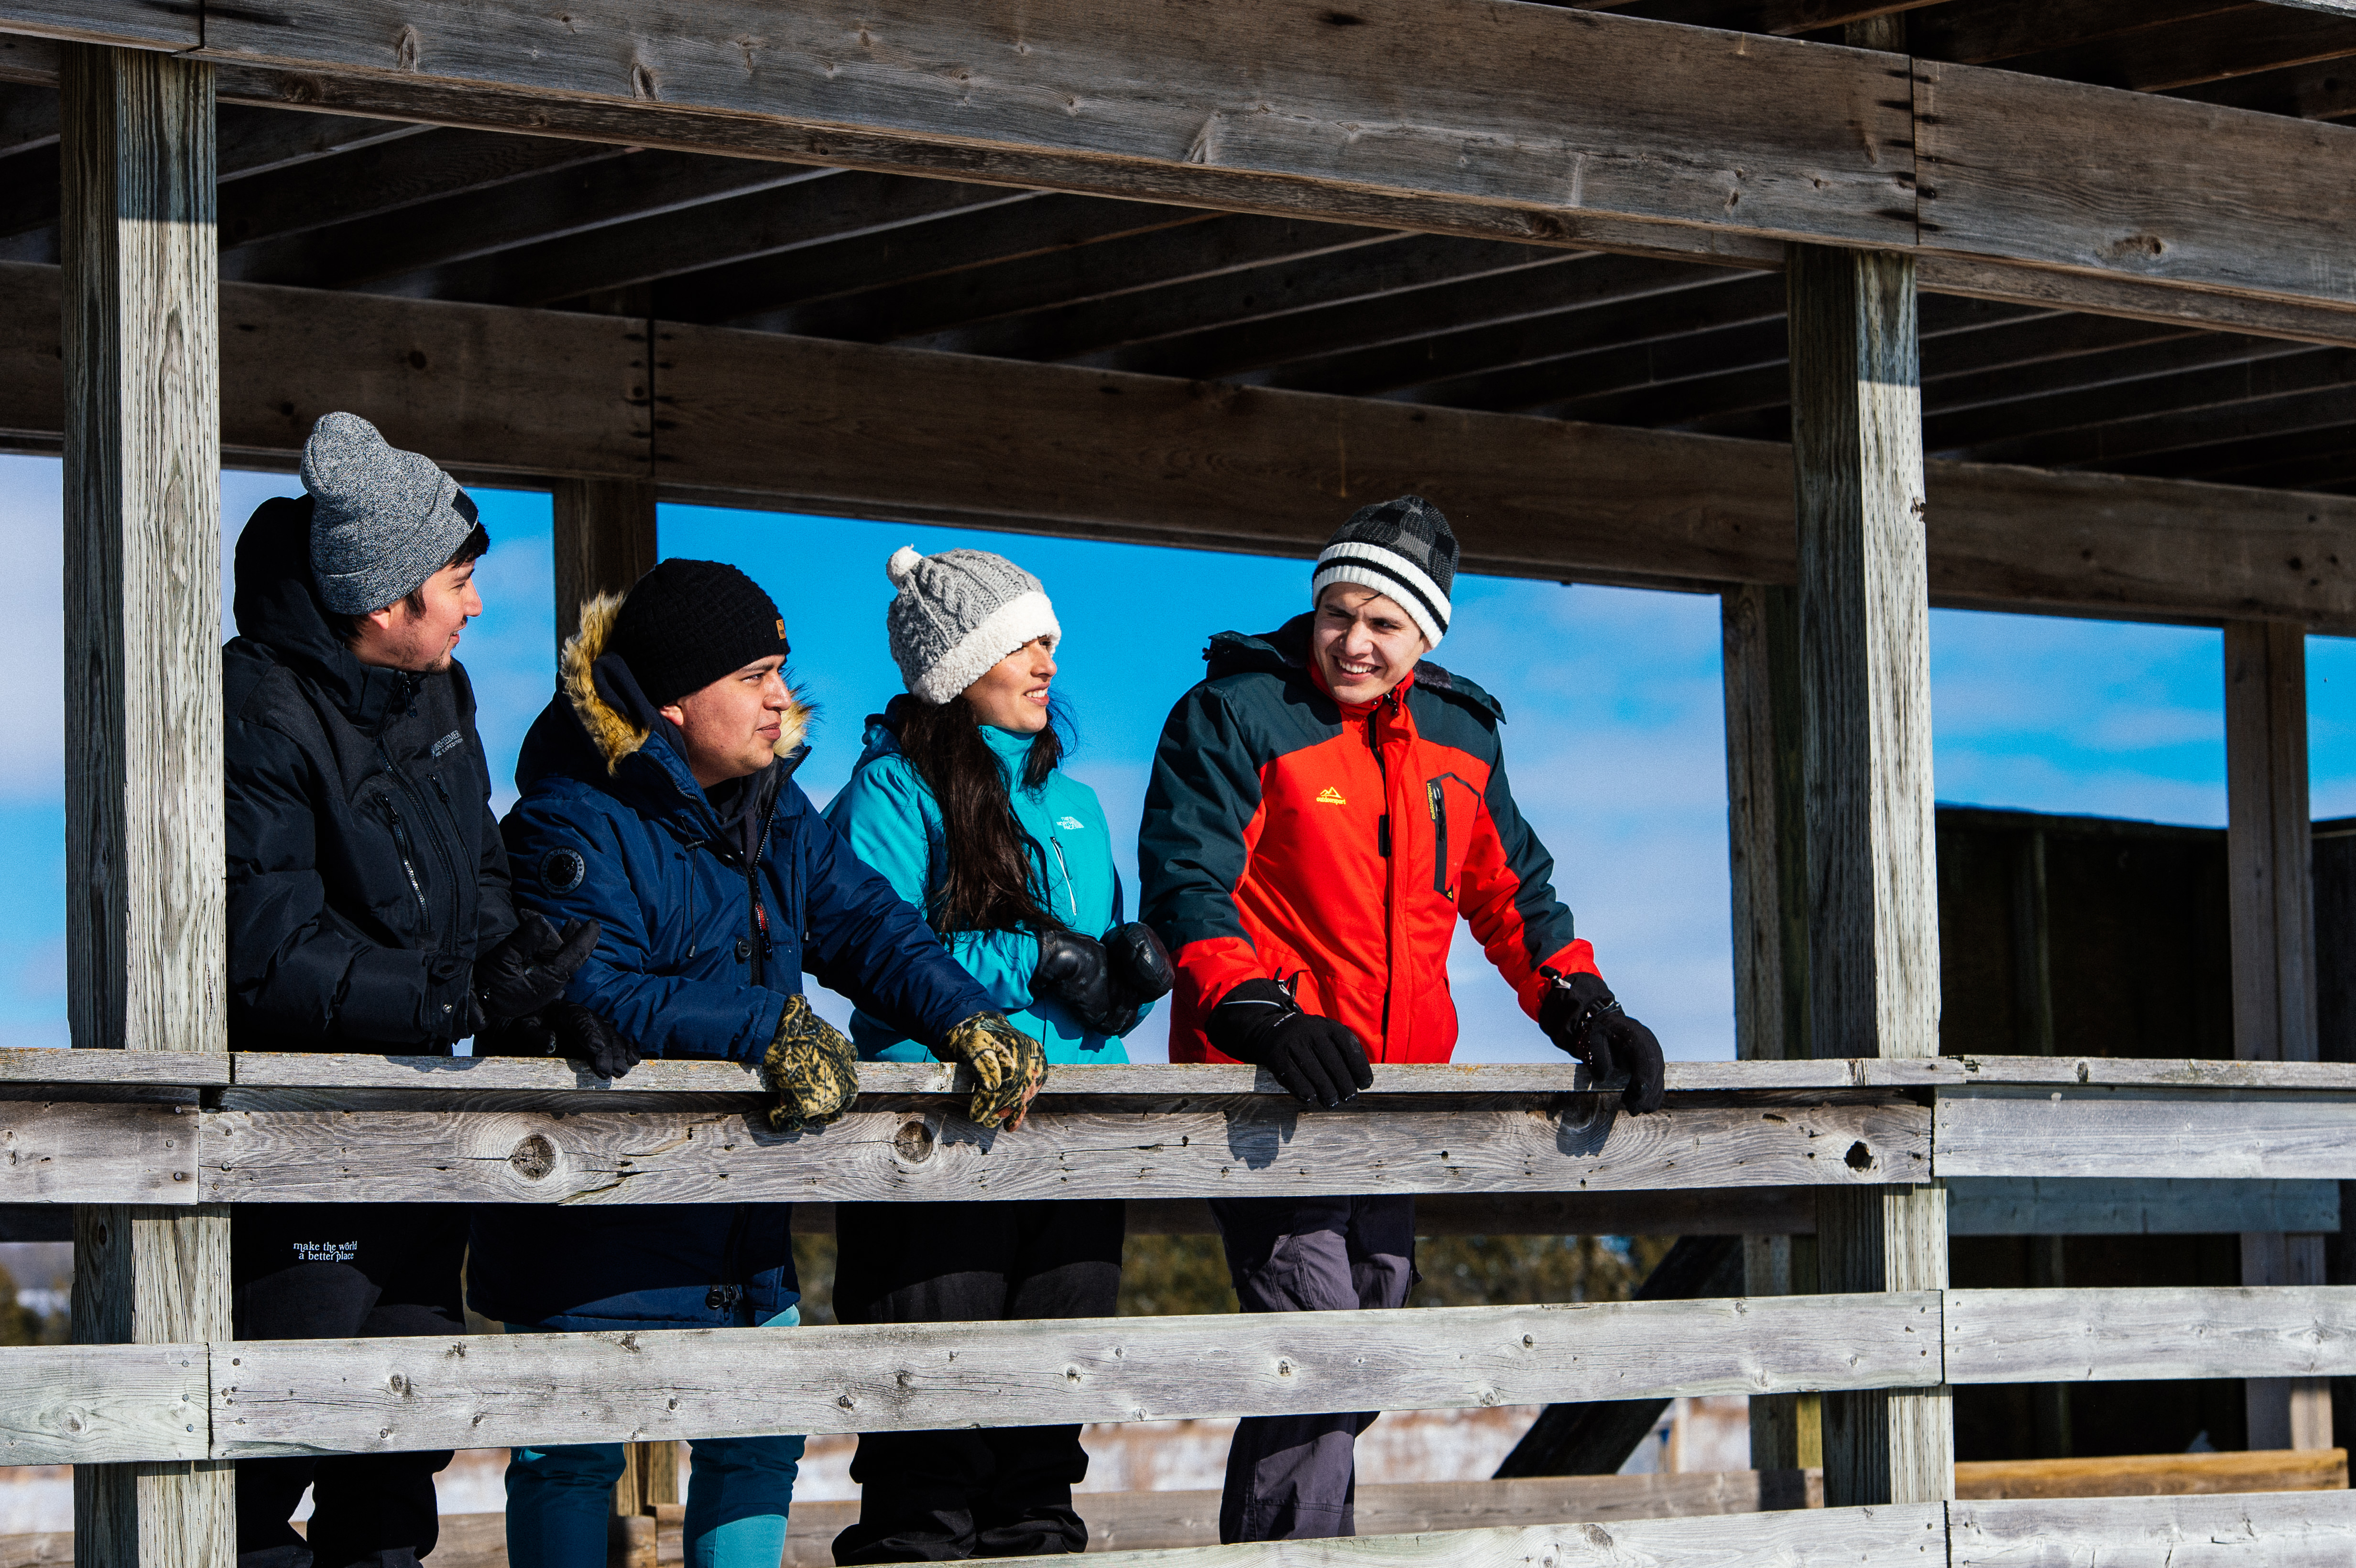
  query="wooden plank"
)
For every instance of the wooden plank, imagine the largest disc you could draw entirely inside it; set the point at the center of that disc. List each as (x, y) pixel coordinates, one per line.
(1133, 1521)
(146, 941)
(131, 24)
(2155, 1475)
(1855, 1538)
(103, 1405)
(2136, 1334)
(2096, 1131)
(2162, 1206)
(2267, 842)
(2287, 1529)
(389, 1396)
(605, 542)
(1873, 944)
(1244, 1145)
(62, 1152)
(44, 1065)
(895, 434)
(1262, 97)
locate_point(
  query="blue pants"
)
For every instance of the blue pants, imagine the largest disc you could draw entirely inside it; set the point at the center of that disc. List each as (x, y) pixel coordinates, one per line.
(560, 1497)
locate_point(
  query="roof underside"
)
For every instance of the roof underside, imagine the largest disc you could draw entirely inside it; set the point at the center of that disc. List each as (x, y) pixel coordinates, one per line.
(390, 208)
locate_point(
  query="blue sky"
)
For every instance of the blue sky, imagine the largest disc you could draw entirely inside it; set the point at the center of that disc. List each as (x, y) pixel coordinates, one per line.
(1614, 740)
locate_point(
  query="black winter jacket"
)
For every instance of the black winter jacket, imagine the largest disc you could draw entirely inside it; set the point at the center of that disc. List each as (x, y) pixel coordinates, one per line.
(365, 868)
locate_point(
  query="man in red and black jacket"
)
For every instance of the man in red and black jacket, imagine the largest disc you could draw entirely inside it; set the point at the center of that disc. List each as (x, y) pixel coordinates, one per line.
(1324, 806)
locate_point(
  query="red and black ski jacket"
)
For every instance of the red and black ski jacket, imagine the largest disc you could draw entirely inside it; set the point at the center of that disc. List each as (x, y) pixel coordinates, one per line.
(1331, 847)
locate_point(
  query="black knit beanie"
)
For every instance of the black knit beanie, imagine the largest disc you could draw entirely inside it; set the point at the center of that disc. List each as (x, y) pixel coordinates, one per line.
(688, 623)
(1403, 549)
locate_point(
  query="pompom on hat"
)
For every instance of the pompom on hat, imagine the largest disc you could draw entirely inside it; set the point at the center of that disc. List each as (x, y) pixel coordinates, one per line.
(959, 612)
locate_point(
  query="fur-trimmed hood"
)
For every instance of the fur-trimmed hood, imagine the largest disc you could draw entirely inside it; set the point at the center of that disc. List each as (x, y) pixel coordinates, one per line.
(613, 733)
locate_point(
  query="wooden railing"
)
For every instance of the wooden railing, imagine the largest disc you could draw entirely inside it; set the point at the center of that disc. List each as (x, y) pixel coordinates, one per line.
(161, 1128)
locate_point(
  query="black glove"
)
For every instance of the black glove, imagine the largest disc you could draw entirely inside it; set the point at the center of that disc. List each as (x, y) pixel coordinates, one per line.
(528, 971)
(1077, 973)
(1142, 971)
(1583, 1019)
(1320, 1061)
(566, 1030)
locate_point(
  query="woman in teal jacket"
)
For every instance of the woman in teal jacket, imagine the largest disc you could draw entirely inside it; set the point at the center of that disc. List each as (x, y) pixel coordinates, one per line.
(959, 803)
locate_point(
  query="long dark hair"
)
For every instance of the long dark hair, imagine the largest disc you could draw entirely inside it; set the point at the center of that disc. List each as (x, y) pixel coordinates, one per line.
(988, 887)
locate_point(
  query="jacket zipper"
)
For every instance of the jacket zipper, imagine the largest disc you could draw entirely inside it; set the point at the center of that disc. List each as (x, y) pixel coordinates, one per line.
(1439, 838)
(753, 897)
(406, 848)
(441, 850)
(1390, 866)
(1071, 895)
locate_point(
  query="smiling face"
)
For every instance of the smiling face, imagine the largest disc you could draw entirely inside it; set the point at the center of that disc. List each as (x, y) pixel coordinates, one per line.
(1364, 644)
(421, 640)
(732, 726)
(1013, 694)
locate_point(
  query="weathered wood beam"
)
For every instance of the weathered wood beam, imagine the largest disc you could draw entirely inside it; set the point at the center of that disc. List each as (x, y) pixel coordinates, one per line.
(605, 542)
(1873, 943)
(2270, 858)
(1255, 107)
(296, 1146)
(2280, 1530)
(389, 1396)
(2230, 41)
(2093, 1130)
(146, 928)
(387, 175)
(882, 431)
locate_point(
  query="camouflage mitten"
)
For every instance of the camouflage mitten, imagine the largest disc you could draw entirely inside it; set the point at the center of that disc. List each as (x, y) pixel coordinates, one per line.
(1007, 1065)
(812, 1067)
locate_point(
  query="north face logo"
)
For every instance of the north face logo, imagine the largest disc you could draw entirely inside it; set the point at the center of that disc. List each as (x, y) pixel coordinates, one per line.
(1329, 795)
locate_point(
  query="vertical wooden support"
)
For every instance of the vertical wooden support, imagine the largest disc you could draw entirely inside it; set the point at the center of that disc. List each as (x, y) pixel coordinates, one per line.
(605, 542)
(2270, 852)
(146, 956)
(1767, 845)
(2032, 949)
(1873, 939)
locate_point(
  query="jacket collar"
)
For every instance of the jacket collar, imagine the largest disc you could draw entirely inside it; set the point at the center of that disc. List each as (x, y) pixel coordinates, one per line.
(1284, 652)
(883, 740)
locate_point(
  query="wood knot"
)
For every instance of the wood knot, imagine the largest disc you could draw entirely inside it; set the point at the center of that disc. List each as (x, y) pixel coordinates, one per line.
(915, 1142)
(534, 1158)
(1858, 1158)
(406, 50)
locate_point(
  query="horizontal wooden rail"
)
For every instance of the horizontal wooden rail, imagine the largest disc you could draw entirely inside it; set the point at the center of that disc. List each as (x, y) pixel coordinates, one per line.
(1150, 1080)
(314, 1128)
(318, 1396)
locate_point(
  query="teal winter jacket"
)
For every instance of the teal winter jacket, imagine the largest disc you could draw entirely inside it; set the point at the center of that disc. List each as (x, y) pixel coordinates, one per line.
(891, 822)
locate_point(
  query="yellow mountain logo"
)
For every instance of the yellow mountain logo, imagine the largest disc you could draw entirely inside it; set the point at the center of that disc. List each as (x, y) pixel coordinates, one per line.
(1329, 795)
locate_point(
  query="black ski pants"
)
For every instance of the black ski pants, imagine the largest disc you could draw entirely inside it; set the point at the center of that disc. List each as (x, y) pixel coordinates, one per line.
(943, 1497)
(332, 1271)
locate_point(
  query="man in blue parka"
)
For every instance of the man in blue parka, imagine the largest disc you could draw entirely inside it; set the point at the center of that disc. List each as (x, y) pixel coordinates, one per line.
(657, 799)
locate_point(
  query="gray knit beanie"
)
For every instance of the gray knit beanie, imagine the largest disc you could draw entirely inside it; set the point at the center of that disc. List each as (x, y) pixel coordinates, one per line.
(1404, 551)
(382, 520)
(957, 613)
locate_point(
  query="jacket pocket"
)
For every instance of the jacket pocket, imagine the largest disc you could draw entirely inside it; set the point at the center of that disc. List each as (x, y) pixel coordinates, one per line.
(405, 849)
(1441, 881)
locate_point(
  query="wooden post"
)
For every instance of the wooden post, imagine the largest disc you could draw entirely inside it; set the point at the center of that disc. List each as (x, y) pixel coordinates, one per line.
(1873, 938)
(145, 954)
(605, 542)
(1767, 844)
(2269, 851)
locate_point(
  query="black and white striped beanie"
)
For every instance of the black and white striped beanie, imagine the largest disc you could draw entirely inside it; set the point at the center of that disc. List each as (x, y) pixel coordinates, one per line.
(1402, 550)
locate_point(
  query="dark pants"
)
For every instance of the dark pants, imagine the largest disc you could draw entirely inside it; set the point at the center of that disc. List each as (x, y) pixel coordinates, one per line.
(941, 1496)
(332, 1271)
(1291, 1478)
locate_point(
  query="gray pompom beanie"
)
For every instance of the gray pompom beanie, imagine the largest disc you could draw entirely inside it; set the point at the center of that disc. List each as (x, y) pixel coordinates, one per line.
(957, 613)
(382, 520)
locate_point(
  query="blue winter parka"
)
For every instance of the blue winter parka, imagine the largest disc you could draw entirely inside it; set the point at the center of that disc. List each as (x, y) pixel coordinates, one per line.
(702, 942)
(889, 817)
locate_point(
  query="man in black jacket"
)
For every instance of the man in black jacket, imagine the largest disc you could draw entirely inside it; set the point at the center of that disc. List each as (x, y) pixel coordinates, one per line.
(368, 910)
